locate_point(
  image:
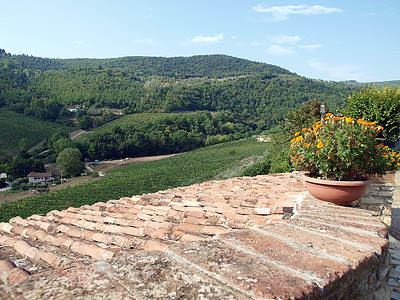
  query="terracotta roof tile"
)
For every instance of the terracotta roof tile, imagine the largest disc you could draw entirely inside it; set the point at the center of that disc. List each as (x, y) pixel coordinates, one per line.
(205, 214)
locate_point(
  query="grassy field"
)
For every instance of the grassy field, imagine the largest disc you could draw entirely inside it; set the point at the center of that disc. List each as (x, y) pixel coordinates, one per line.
(181, 170)
(14, 127)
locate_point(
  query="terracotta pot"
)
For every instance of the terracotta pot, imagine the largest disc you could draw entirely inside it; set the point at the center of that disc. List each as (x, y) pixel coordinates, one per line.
(337, 192)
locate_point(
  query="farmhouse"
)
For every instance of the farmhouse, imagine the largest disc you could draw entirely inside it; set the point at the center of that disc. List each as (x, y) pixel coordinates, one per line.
(41, 178)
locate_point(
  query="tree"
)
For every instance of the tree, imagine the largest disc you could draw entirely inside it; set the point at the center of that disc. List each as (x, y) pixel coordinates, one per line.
(62, 144)
(21, 167)
(85, 122)
(54, 138)
(375, 105)
(23, 145)
(69, 161)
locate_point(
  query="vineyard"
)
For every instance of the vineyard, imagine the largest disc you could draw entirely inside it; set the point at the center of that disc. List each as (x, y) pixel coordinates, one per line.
(14, 127)
(181, 170)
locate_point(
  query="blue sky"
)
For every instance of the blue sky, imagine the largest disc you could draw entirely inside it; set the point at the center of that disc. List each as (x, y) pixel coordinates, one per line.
(329, 40)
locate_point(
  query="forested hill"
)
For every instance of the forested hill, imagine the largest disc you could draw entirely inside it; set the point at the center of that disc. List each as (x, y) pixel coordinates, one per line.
(210, 66)
(255, 93)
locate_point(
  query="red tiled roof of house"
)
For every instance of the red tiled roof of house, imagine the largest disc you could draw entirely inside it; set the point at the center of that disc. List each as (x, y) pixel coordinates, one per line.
(221, 238)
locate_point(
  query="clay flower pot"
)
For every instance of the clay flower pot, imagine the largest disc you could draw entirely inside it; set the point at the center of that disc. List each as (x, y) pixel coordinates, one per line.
(337, 192)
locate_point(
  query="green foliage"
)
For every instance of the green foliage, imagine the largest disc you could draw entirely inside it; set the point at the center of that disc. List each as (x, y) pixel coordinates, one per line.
(3, 183)
(21, 167)
(15, 127)
(180, 170)
(377, 105)
(69, 161)
(308, 114)
(260, 94)
(340, 149)
(154, 134)
(260, 168)
(85, 122)
(61, 144)
(23, 145)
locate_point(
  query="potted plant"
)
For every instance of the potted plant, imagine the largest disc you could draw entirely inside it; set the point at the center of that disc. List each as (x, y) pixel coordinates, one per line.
(338, 153)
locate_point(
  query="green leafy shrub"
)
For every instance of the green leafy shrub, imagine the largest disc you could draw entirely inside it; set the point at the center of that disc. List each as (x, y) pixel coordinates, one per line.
(260, 168)
(381, 106)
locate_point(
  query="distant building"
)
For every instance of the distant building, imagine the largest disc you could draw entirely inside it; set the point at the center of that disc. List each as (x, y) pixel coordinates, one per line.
(41, 178)
(74, 108)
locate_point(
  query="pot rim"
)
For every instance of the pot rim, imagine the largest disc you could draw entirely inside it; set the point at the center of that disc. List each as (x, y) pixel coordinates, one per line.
(336, 182)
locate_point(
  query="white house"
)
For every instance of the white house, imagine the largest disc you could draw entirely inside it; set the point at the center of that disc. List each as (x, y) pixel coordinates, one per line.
(74, 108)
(41, 178)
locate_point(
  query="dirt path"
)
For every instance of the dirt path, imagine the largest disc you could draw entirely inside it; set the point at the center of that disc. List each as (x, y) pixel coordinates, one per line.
(107, 165)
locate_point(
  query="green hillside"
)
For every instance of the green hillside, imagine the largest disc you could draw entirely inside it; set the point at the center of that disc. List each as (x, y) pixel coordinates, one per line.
(181, 170)
(380, 84)
(257, 91)
(14, 127)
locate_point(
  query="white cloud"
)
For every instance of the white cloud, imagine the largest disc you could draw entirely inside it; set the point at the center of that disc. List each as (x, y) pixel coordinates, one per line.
(280, 50)
(200, 39)
(311, 47)
(286, 39)
(341, 72)
(77, 42)
(280, 13)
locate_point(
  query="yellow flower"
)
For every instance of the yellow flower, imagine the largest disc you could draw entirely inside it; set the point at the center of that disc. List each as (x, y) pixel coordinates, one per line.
(304, 129)
(329, 115)
(299, 138)
(308, 145)
(320, 145)
(360, 121)
(349, 120)
(297, 133)
(316, 127)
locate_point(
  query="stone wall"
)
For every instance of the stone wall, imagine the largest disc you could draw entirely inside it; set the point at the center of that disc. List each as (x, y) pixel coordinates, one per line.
(379, 197)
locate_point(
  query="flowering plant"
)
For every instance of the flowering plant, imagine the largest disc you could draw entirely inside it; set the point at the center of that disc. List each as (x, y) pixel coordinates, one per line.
(342, 148)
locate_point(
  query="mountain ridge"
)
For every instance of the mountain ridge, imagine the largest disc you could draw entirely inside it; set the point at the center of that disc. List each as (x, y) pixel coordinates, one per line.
(212, 65)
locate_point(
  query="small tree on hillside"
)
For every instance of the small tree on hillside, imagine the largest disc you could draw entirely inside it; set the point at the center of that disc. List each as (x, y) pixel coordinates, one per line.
(69, 161)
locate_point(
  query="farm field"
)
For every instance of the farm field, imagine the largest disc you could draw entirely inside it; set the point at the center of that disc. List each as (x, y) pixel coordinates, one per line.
(181, 170)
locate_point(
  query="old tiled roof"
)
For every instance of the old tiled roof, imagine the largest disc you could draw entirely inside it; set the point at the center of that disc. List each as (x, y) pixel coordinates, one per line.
(40, 175)
(221, 238)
